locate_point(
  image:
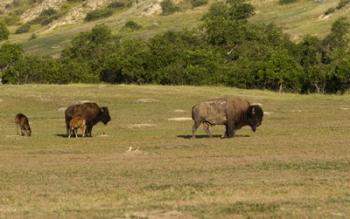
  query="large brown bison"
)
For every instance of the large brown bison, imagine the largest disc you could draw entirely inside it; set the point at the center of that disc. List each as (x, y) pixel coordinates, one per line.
(22, 125)
(233, 112)
(92, 114)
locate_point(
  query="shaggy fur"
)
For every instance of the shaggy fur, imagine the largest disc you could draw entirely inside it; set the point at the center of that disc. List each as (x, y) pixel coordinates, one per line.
(232, 112)
(75, 124)
(91, 112)
(22, 124)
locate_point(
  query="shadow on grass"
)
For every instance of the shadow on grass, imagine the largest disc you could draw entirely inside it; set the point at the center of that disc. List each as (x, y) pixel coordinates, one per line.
(213, 136)
(73, 136)
(62, 135)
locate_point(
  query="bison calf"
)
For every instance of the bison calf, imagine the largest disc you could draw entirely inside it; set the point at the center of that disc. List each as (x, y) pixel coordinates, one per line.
(75, 124)
(233, 112)
(22, 123)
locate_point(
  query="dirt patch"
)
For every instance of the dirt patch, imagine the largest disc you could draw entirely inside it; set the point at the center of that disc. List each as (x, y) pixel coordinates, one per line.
(135, 152)
(154, 9)
(342, 108)
(1, 100)
(296, 111)
(267, 113)
(85, 101)
(61, 109)
(13, 136)
(179, 111)
(103, 135)
(36, 9)
(324, 17)
(158, 215)
(180, 119)
(142, 125)
(144, 100)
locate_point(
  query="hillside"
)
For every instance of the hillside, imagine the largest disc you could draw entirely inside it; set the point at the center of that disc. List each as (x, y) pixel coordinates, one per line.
(297, 19)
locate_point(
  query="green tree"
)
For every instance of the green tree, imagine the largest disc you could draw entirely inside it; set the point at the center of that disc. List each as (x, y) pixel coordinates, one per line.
(129, 64)
(92, 47)
(338, 38)
(310, 58)
(281, 72)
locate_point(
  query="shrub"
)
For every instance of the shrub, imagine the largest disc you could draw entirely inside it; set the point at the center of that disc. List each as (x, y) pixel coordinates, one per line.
(32, 69)
(197, 3)
(23, 29)
(33, 36)
(9, 54)
(329, 11)
(120, 4)
(10, 19)
(342, 4)
(4, 32)
(168, 7)
(132, 25)
(116, 4)
(46, 17)
(98, 14)
(283, 2)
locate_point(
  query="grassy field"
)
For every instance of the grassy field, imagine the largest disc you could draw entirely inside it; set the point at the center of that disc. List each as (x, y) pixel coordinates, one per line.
(297, 164)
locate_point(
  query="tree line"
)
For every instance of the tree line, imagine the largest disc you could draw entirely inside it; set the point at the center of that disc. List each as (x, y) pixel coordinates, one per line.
(226, 49)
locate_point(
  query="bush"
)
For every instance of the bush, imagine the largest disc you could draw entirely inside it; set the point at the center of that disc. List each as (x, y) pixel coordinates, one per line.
(46, 17)
(32, 69)
(4, 32)
(10, 19)
(98, 14)
(329, 11)
(120, 4)
(197, 3)
(33, 36)
(116, 4)
(342, 4)
(132, 25)
(9, 54)
(283, 2)
(23, 29)
(168, 7)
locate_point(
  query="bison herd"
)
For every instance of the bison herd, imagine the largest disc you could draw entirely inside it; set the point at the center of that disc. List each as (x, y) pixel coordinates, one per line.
(232, 112)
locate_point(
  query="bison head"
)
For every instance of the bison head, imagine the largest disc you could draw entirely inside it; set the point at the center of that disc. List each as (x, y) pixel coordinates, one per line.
(255, 116)
(104, 115)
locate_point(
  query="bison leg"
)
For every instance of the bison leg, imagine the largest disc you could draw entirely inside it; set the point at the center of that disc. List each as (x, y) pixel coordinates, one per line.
(230, 130)
(194, 128)
(68, 128)
(76, 133)
(83, 130)
(18, 129)
(88, 130)
(69, 132)
(23, 132)
(206, 129)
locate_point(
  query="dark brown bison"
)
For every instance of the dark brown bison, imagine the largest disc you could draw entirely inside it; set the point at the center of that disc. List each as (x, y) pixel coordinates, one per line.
(22, 123)
(91, 112)
(75, 124)
(233, 112)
